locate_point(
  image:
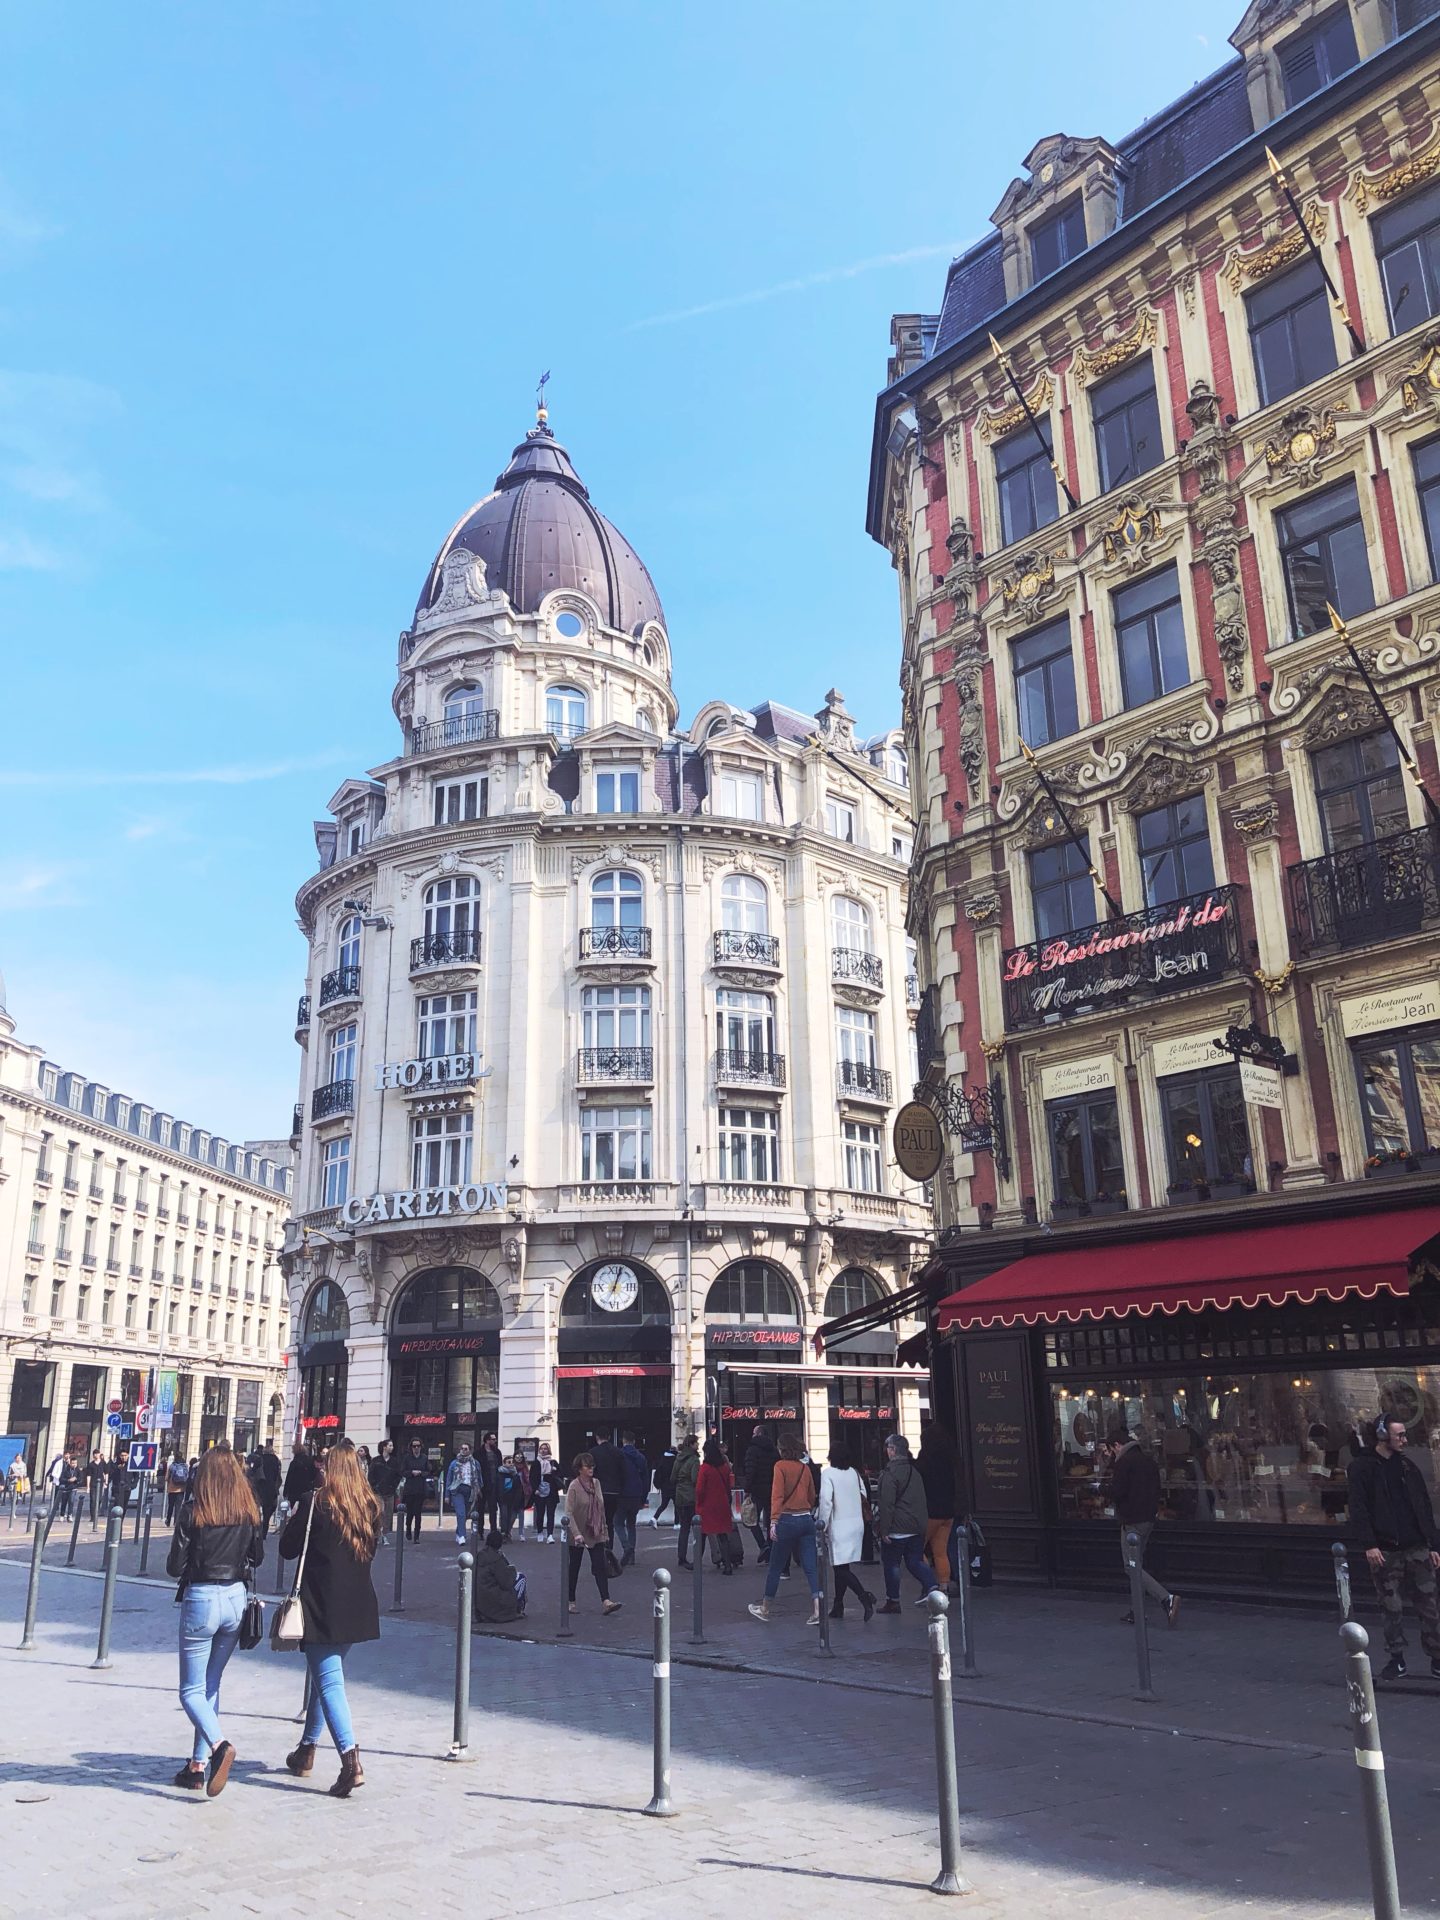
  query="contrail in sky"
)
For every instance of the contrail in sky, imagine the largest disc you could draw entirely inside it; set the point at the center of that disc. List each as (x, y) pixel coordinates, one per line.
(802, 284)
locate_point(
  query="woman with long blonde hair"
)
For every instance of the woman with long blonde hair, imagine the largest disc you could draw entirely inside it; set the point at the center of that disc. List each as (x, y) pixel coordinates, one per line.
(218, 1540)
(336, 1531)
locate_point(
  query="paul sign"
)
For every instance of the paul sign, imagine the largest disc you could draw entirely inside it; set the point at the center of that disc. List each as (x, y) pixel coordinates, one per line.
(425, 1203)
(918, 1142)
(1185, 943)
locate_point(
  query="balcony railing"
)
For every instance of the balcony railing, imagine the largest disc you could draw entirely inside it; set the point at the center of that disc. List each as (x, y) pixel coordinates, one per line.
(337, 1097)
(928, 1045)
(733, 948)
(750, 1066)
(863, 969)
(35, 1249)
(617, 1063)
(458, 731)
(342, 984)
(1139, 957)
(912, 989)
(1376, 892)
(615, 943)
(302, 1012)
(858, 1076)
(460, 948)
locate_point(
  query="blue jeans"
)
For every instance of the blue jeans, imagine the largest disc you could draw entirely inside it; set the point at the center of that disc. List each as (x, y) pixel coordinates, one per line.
(908, 1549)
(792, 1533)
(460, 1505)
(328, 1704)
(209, 1634)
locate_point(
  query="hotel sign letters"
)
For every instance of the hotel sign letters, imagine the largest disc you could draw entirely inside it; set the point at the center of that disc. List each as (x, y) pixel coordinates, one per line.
(426, 1203)
(437, 1070)
(1185, 943)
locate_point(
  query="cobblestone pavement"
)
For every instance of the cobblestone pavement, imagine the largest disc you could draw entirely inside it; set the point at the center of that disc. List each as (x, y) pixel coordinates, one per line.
(788, 1789)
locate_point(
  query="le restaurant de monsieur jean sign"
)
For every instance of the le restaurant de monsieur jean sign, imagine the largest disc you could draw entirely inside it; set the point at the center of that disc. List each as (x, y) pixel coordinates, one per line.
(1162, 950)
(426, 1203)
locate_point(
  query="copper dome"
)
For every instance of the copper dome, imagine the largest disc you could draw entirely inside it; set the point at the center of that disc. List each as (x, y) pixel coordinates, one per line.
(538, 531)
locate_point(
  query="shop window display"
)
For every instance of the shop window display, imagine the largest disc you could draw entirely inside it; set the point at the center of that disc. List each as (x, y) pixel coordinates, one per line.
(1269, 1449)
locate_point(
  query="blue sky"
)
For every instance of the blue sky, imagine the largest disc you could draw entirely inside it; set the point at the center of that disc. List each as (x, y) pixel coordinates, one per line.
(276, 282)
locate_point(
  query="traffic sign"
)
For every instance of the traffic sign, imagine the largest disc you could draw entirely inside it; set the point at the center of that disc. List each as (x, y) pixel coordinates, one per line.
(126, 1429)
(114, 1406)
(144, 1456)
(113, 1423)
(144, 1418)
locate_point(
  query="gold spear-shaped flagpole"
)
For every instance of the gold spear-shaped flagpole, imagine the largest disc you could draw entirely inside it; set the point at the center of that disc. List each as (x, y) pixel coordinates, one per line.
(1111, 903)
(1278, 175)
(1028, 411)
(1343, 632)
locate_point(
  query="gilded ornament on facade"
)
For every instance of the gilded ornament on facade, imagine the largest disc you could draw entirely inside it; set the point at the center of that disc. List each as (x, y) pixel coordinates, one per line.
(1026, 588)
(982, 909)
(1115, 353)
(1256, 819)
(1132, 527)
(1409, 173)
(1420, 384)
(1301, 441)
(1256, 266)
(994, 426)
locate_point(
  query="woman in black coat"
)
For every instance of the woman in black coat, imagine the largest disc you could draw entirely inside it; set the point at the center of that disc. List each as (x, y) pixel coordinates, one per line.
(335, 1533)
(414, 1469)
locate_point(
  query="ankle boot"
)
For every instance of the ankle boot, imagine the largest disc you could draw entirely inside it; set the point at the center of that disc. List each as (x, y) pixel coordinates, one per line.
(302, 1759)
(837, 1612)
(352, 1775)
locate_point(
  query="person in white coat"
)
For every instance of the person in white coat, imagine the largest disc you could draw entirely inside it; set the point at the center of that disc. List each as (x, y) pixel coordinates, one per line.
(842, 1514)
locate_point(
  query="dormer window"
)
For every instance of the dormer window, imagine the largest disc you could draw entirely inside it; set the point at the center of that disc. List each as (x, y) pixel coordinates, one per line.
(1056, 239)
(617, 791)
(739, 796)
(1312, 60)
(354, 837)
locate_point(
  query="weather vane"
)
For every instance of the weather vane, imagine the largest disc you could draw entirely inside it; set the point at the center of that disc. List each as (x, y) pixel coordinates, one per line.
(540, 395)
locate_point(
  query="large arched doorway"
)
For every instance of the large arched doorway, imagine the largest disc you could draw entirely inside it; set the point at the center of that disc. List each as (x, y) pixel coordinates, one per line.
(444, 1361)
(754, 1347)
(323, 1363)
(613, 1351)
(862, 1389)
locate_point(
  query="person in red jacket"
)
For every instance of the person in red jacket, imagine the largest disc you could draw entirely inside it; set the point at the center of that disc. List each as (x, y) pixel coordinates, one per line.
(713, 1486)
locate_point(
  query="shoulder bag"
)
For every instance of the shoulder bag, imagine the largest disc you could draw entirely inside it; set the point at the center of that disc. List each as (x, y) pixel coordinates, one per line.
(287, 1632)
(252, 1620)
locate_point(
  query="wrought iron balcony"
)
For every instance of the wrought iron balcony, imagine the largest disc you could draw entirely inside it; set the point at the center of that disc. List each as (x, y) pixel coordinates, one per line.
(912, 989)
(458, 949)
(858, 968)
(751, 1066)
(733, 948)
(302, 1012)
(1376, 892)
(928, 1045)
(615, 943)
(859, 1077)
(458, 731)
(337, 1097)
(1139, 957)
(342, 984)
(617, 1063)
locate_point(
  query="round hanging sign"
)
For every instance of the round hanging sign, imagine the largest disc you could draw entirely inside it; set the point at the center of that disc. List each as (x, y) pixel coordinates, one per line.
(918, 1141)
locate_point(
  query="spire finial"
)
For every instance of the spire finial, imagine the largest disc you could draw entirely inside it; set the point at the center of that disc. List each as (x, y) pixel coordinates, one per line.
(542, 412)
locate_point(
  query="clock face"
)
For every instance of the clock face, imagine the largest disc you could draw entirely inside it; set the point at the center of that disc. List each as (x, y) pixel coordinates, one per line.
(614, 1288)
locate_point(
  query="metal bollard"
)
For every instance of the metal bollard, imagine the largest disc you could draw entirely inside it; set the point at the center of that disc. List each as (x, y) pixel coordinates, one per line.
(1342, 1579)
(660, 1798)
(564, 1631)
(963, 1615)
(14, 1497)
(697, 1587)
(145, 1542)
(1137, 1606)
(74, 1533)
(1384, 1893)
(114, 1527)
(399, 1604)
(949, 1879)
(139, 1503)
(460, 1745)
(32, 1591)
(822, 1561)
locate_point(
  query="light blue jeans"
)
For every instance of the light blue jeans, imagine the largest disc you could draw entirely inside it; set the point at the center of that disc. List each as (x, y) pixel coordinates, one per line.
(209, 1634)
(792, 1533)
(328, 1704)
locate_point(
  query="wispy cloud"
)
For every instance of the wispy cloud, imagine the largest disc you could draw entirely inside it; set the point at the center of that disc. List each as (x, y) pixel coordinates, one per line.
(233, 776)
(26, 885)
(801, 284)
(20, 552)
(56, 486)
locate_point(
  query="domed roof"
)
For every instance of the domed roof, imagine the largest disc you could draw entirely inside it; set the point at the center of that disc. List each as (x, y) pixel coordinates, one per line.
(538, 531)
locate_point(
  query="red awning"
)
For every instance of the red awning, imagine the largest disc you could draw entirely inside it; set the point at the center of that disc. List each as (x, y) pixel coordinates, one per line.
(1187, 1272)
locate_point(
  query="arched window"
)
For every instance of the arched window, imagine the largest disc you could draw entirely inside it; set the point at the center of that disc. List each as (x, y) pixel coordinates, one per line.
(850, 922)
(617, 900)
(326, 1315)
(744, 904)
(753, 1290)
(851, 1290)
(643, 720)
(463, 703)
(447, 1300)
(348, 943)
(566, 711)
(452, 907)
(897, 766)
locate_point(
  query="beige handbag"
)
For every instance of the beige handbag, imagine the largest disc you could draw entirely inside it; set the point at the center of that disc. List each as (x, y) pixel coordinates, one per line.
(287, 1630)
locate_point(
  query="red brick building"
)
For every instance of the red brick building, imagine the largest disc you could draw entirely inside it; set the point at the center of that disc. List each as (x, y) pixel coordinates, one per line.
(1158, 800)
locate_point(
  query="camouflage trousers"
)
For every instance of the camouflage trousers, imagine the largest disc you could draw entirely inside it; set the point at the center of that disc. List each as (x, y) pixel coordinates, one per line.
(1389, 1585)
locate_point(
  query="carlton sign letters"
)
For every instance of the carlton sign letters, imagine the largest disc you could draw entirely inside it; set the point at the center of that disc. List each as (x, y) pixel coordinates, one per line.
(426, 1203)
(1186, 943)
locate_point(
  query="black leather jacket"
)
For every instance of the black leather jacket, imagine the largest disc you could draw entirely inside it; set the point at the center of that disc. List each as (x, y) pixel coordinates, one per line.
(212, 1556)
